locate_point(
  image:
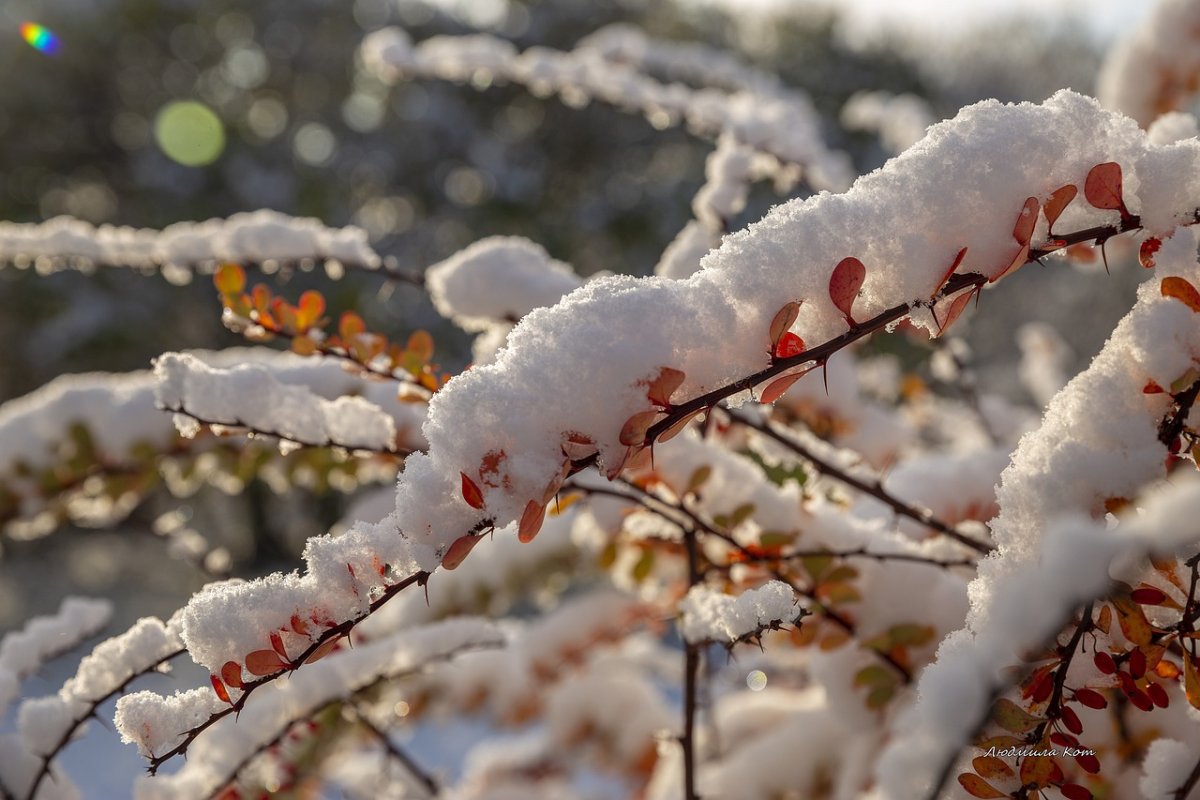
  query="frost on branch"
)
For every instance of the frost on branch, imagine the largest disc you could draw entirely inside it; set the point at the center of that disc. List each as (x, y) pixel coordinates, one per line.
(178, 249)
(1154, 70)
(784, 126)
(154, 722)
(1051, 557)
(713, 616)
(249, 395)
(907, 223)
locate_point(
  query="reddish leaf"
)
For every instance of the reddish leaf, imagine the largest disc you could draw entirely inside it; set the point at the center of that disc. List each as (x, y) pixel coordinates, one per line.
(978, 787)
(788, 345)
(844, 284)
(231, 673)
(1071, 720)
(1158, 695)
(1041, 682)
(1147, 250)
(618, 465)
(459, 549)
(1026, 221)
(420, 346)
(1073, 791)
(1058, 201)
(634, 430)
(958, 259)
(230, 279)
(324, 649)
(1148, 596)
(1152, 388)
(1103, 187)
(219, 688)
(677, 427)
(663, 386)
(299, 625)
(776, 388)
(264, 662)
(577, 447)
(1018, 260)
(1137, 664)
(277, 645)
(782, 321)
(1090, 697)
(531, 521)
(470, 492)
(957, 306)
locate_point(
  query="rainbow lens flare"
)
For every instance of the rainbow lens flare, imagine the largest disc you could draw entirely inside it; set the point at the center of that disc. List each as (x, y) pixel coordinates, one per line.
(39, 37)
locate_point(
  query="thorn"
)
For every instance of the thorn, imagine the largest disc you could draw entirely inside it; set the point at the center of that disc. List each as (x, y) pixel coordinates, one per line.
(825, 374)
(557, 510)
(1104, 255)
(978, 292)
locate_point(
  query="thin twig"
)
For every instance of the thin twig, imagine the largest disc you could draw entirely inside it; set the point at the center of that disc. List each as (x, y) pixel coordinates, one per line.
(396, 752)
(876, 490)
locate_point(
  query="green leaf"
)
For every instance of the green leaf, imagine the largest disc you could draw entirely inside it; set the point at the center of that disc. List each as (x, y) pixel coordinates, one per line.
(1012, 717)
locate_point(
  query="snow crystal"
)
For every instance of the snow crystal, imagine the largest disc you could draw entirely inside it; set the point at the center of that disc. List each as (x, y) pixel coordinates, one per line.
(713, 616)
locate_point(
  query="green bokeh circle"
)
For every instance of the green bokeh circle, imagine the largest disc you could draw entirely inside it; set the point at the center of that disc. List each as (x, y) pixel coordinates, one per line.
(189, 133)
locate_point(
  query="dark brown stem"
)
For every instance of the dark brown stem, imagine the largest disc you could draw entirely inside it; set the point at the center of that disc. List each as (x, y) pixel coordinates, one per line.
(691, 670)
(330, 634)
(65, 739)
(1192, 781)
(876, 490)
(1173, 423)
(250, 429)
(396, 752)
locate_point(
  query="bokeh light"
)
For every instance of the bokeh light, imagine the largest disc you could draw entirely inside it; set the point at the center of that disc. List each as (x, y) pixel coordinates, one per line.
(756, 681)
(39, 38)
(189, 133)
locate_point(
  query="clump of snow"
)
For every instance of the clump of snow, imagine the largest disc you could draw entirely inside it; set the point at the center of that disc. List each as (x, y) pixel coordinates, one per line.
(900, 120)
(710, 615)
(1166, 768)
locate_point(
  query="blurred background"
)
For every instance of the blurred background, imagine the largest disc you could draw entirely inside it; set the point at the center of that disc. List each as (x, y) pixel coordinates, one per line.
(287, 121)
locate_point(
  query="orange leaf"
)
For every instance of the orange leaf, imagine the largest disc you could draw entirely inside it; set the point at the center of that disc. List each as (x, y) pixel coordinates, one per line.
(958, 259)
(1191, 681)
(470, 492)
(1181, 290)
(978, 787)
(1018, 260)
(1147, 250)
(779, 386)
(844, 284)
(992, 767)
(531, 521)
(261, 296)
(1103, 187)
(231, 673)
(309, 309)
(230, 279)
(420, 345)
(663, 386)
(1057, 203)
(324, 649)
(614, 469)
(782, 321)
(219, 688)
(264, 662)
(459, 549)
(788, 345)
(1036, 770)
(677, 427)
(350, 325)
(634, 430)
(1026, 221)
(299, 625)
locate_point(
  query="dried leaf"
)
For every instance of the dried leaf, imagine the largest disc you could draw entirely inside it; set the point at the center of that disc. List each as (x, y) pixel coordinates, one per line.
(874, 675)
(1036, 770)
(992, 767)
(231, 673)
(219, 688)
(1182, 290)
(782, 321)
(634, 430)
(1057, 203)
(957, 306)
(1011, 717)
(1146, 252)
(958, 259)
(277, 645)
(663, 386)
(978, 787)
(677, 427)
(1191, 681)
(531, 521)
(1104, 621)
(264, 662)
(1026, 221)
(1132, 619)
(470, 492)
(323, 650)
(778, 387)
(1103, 187)
(459, 549)
(844, 284)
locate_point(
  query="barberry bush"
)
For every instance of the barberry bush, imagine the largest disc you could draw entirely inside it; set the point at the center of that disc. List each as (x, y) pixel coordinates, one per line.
(699, 534)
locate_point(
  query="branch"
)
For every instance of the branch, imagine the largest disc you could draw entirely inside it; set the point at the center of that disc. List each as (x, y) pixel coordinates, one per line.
(1192, 781)
(250, 429)
(343, 629)
(1172, 424)
(876, 490)
(395, 751)
(93, 705)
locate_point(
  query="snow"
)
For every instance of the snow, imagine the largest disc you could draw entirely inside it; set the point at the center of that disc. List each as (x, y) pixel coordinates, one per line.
(1153, 70)
(1166, 767)
(710, 615)
(253, 236)
(900, 120)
